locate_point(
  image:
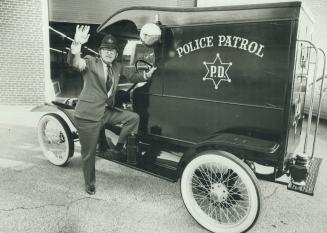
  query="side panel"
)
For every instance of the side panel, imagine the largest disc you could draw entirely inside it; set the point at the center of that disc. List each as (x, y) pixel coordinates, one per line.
(222, 77)
(252, 68)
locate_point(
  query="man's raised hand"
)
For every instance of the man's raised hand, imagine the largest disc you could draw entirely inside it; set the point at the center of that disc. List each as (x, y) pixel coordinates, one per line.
(82, 34)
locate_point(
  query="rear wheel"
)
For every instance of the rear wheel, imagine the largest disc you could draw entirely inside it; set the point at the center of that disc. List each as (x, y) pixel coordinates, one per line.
(221, 192)
(55, 139)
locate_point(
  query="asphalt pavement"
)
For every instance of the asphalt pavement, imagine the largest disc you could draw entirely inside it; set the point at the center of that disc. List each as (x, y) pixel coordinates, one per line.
(36, 196)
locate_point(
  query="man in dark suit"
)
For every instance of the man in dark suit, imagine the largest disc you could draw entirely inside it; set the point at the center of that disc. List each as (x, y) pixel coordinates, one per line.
(95, 107)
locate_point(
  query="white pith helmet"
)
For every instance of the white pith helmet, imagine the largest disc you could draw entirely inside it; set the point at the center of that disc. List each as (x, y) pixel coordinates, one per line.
(150, 33)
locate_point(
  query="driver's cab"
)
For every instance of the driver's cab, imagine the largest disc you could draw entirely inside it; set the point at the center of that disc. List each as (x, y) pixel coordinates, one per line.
(140, 50)
(136, 56)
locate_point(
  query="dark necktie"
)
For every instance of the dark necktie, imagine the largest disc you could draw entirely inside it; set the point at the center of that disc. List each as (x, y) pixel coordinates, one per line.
(109, 78)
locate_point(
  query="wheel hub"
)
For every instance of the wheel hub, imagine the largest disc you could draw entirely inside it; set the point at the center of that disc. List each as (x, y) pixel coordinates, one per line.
(54, 137)
(218, 192)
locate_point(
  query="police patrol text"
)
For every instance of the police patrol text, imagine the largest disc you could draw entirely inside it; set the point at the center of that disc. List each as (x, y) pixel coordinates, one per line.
(237, 42)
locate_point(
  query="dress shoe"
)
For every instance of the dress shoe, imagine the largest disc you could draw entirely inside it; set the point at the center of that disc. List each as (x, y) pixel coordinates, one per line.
(90, 189)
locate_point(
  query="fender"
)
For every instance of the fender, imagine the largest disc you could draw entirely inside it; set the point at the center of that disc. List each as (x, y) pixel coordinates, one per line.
(244, 147)
(65, 111)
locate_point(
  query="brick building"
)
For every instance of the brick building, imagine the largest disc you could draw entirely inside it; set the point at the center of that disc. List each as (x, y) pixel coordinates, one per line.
(22, 52)
(24, 38)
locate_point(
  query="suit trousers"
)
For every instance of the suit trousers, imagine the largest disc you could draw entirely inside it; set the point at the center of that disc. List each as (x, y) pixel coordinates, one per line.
(89, 132)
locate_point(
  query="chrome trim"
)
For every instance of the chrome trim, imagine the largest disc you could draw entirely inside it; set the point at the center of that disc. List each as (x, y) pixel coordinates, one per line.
(267, 106)
(319, 103)
(312, 94)
(67, 37)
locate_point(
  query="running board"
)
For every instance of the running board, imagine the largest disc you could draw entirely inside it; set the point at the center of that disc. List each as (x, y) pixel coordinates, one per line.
(147, 165)
(311, 179)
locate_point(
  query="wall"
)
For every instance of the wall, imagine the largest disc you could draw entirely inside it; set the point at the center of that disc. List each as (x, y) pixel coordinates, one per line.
(318, 9)
(81, 11)
(21, 52)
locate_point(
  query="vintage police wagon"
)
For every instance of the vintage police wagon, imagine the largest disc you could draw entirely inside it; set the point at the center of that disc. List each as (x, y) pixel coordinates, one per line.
(227, 96)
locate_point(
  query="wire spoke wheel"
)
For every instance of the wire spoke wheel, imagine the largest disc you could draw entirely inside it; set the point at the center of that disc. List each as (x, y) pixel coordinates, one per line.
(221, 192)
(55, 139)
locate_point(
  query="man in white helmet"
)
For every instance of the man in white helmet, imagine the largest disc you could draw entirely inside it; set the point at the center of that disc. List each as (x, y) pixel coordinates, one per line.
(95, 107)
(150, 33)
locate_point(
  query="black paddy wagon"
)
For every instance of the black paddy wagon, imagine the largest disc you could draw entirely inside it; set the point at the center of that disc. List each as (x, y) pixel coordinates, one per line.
(228, 95)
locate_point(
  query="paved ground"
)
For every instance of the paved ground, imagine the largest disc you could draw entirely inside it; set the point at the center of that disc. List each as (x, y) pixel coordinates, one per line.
(36, 196)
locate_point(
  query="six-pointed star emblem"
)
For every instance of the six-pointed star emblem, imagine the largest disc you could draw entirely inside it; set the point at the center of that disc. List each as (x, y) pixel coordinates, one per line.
(217, 71)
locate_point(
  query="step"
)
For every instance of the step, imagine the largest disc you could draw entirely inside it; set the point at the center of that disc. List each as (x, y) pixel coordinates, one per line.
(311, 180)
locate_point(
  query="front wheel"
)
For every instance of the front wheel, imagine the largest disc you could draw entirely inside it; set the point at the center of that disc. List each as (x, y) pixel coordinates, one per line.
(221, 192)
(55, 139)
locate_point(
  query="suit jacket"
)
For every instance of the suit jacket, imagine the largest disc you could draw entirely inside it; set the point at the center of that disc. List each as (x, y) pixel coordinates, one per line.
(93, 98)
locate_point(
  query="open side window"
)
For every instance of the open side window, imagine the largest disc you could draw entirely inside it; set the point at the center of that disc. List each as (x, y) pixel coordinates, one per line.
(134, 51)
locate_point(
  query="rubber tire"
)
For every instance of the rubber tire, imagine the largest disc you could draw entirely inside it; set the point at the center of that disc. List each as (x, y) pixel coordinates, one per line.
(66, 133)
(199, 215)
